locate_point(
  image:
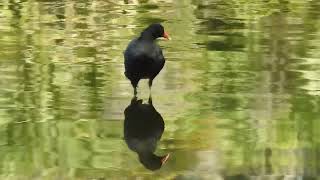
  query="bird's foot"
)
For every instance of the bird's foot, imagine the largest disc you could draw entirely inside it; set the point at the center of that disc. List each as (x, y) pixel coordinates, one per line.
(150, 99)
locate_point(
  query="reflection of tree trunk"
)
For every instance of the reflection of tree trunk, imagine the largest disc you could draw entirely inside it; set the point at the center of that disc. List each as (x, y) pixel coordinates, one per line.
(278, 78)
(275, 57)
(15, 8)
(93, 92)
(268, 164)
(307, 105)
(55, 90)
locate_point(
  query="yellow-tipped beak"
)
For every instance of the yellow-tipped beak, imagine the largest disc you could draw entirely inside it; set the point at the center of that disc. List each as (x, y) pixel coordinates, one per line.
(166, 36)
(165, 158)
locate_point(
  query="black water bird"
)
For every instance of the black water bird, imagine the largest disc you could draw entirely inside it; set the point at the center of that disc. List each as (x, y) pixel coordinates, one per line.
(143, 128)
(143, 58)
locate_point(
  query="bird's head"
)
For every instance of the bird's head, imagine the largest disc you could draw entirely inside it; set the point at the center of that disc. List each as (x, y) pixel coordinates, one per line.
(154, 31)
(152, 161)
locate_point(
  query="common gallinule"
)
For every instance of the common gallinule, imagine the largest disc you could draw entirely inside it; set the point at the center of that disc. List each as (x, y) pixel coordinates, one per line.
(143, 128)
(143, 58)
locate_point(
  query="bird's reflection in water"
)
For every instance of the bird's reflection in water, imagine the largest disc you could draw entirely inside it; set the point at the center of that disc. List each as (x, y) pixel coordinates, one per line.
(143, 128)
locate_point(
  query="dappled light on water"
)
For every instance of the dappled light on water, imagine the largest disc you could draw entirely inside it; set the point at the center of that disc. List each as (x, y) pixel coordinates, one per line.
(239, 94)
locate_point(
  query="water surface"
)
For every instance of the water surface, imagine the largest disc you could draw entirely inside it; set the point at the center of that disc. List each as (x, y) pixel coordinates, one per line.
(239, 94)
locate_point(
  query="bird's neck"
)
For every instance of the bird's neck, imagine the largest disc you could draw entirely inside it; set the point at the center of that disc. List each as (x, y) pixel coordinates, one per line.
(147, 36)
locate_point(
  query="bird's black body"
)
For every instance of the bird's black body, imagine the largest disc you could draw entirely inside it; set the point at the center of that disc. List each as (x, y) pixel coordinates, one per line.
(143, 58)
(143, 128)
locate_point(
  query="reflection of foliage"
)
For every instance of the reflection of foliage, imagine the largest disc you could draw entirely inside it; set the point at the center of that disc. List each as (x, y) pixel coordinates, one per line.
(236, 85)
(241, 77)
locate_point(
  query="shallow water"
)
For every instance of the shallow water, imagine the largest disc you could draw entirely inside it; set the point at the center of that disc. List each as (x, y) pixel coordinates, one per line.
(239, 94)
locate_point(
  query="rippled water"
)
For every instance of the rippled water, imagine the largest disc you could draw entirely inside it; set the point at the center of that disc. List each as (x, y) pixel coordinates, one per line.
(239, 94)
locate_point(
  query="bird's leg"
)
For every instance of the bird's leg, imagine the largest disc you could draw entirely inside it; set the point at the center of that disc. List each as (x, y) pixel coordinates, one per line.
(134, 84)
(134, 99)
(135, 91)
(150, 100)
(150, 83)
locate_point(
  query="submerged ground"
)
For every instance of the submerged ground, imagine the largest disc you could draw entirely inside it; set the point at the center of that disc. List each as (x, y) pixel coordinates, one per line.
(239, 94)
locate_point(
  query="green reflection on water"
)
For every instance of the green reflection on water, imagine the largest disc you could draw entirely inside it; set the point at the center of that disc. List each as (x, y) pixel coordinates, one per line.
(239, 93)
